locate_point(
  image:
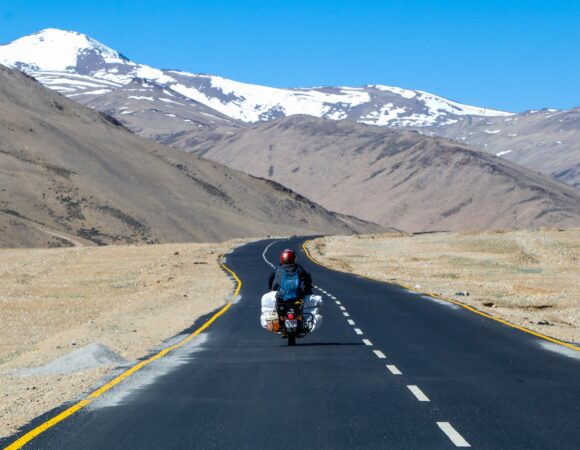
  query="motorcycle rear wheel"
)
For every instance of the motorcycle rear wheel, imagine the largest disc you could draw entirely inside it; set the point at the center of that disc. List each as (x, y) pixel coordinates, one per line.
(291, 340)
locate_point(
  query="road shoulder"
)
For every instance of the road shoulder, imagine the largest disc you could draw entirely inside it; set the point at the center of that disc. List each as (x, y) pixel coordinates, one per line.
(528, 277)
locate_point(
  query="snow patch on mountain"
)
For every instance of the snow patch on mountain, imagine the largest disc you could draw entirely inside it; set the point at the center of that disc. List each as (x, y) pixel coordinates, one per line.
(405, 93)
(385, 116)
(254, 103)
(438, 105)
(503, 153)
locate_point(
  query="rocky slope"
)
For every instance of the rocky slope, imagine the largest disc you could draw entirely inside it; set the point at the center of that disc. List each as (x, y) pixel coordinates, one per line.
(400, 178)
(161, 114)
(546, 141)
(71, 175)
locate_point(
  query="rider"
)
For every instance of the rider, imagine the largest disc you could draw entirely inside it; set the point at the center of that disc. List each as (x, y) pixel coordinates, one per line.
(288, 264)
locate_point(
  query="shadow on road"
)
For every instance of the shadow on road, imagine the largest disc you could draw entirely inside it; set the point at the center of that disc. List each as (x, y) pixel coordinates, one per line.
(319, 344)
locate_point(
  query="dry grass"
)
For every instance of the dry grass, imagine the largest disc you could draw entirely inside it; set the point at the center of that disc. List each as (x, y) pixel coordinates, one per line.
(529, 277)
(128, 298)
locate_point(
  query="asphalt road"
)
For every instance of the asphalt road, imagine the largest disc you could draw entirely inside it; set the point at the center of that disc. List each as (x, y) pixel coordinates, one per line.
(389, 369)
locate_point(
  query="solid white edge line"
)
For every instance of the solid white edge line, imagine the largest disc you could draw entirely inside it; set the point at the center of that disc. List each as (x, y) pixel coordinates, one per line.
(350, 322)
(379, 354)
(358, 331)
(453, 435)
(418, 393)
(394, 369)
(367, 342)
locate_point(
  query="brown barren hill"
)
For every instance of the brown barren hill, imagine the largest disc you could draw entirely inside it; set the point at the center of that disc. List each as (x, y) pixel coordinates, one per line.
(397, 178)
(547, 141)
(70, 175)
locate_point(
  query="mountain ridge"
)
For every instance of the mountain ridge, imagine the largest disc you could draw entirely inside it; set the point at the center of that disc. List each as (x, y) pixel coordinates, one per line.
(96, 75)
(241, 101)
(194, 111)
(69, 173)
(401, 178)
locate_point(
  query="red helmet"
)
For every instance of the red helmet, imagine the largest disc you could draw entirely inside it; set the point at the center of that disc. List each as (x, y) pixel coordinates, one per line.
(288, 256)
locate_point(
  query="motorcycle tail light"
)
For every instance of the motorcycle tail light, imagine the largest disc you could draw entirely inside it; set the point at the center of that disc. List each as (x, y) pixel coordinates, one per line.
(291, 316)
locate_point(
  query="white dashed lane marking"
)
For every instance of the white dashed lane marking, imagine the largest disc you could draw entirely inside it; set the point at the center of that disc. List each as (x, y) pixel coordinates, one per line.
(393, 369)
(446, 427)
(418, 393)
(453, 435)
(264, 255)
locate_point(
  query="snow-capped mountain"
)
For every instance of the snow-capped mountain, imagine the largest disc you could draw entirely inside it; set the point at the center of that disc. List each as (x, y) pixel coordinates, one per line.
(73, 63)
(83, 68)
(192, 111)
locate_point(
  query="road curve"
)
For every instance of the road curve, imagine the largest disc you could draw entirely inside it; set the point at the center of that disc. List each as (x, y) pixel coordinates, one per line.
(389, 369)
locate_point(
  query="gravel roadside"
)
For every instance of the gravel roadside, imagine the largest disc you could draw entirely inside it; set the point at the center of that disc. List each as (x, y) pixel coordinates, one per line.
(104, 304)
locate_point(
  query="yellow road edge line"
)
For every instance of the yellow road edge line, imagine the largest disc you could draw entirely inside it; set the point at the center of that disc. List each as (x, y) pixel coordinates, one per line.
(455, 302)
(26, 438)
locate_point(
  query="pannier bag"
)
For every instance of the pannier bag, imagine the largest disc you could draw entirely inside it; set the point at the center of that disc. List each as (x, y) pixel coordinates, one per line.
(311, 312)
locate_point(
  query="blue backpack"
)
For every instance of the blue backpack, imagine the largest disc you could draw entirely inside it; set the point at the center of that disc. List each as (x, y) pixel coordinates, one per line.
(291, 286)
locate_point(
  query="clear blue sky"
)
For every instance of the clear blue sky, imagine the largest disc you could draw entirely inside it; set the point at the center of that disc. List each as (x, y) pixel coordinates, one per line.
(508, 54)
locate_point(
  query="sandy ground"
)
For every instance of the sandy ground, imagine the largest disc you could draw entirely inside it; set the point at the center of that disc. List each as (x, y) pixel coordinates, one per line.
(530, 277)
(130, 299)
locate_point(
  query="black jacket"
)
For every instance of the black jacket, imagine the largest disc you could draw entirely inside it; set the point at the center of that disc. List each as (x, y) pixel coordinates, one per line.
(275, 277)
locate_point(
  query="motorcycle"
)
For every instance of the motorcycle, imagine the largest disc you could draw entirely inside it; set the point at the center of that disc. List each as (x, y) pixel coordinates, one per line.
(291, 320)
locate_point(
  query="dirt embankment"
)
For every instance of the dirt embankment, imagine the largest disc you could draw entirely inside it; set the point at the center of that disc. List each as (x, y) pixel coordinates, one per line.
(529, 277)
(129, 299)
